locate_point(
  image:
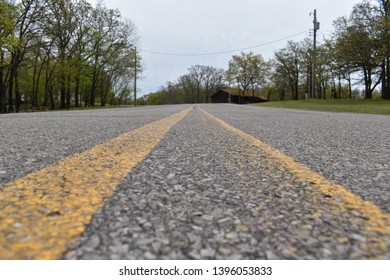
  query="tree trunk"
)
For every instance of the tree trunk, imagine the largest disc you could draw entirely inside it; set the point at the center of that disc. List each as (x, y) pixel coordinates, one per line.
(76, 91)
(107, 90)
(349, 88)
(86, 99)
(46, 97)
(37, 85)
(93, 89)
(198, 94)
(104, 86)
(51, 96)
(34, 88)
(339, 88)
(68, 93)
(296, 91)
(269, 94)
(45, 103)
(63, 91)
(367, 83)
(386, 66)
(387, 91)
(333, 90)
(2, 85)
(10, 89)
(386, 79)
(282, 94)
(18, 100)
(62, 77)
(324, 86)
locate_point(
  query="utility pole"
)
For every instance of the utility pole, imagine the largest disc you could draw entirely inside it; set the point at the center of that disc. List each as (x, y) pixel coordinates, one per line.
(135, 77)
(316, 27)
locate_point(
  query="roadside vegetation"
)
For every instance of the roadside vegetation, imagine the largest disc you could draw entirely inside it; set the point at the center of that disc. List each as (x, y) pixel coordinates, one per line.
(362, 106)
(63, 54)
(352, 63)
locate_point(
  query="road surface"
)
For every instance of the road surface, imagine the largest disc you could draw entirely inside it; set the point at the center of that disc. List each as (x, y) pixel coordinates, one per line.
(194, 182)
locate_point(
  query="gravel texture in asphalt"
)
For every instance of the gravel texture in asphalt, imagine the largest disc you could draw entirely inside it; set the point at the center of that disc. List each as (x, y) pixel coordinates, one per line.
(204, 193)
(352, 149)
(29, 142)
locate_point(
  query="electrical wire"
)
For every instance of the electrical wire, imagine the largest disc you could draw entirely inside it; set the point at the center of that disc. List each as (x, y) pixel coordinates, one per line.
(223, 52)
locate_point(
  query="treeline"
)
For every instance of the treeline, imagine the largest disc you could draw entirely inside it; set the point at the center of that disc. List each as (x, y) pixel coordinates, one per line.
(194, 87)
(357, 55)
(247, 72)
(63, 54)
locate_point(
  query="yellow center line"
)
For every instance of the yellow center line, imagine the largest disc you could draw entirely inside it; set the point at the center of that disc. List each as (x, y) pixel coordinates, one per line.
(340, 197)
(43, 212)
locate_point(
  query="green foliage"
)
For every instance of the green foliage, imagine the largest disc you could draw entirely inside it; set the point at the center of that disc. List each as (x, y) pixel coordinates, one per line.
(65, 54)
(361, 42)
(357, 55)
(156, 98)
(247, 71)
(288, 64)
(195, 87)
(7, 24)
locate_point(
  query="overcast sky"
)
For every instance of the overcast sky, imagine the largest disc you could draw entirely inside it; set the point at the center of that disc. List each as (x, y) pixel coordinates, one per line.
(209, 26)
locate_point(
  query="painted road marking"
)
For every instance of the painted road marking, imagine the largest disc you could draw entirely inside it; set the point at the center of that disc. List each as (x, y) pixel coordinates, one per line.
(338, 195)
(43, 212)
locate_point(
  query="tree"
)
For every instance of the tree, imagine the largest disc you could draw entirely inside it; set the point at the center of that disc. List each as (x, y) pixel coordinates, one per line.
(60, 27)
(197, 73)
(81, 46)
(28, 13)
(188, 87)
(278, 79)
(357, 43)
(324, 71)
(287, 62)
(212, 80)
(340, 69)
(7, 42)
(111, 40)
(66, 51)
(121, 72)
(248, 72)
(383, 26)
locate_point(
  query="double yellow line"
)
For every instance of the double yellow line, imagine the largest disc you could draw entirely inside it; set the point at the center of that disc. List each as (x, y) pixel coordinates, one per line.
(43, 212)
(371, 217)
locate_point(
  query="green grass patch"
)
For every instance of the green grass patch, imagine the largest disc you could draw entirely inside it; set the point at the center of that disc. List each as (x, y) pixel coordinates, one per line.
(362, 106)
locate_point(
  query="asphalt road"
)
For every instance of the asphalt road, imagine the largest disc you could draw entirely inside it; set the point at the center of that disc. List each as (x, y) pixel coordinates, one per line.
(213, 187)
(31, 141)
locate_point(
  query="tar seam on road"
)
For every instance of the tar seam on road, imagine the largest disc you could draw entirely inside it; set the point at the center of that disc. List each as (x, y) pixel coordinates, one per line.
(333, 193)
(41, 213)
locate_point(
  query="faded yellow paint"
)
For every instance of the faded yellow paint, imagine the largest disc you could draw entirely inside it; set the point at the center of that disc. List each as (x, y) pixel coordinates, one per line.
(342, 199)
(43, 212)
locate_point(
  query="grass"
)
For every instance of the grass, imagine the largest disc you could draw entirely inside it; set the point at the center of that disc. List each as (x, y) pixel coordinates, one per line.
(362, 106)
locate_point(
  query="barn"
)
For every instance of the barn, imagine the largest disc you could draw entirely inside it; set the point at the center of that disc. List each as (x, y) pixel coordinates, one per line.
(232, 95)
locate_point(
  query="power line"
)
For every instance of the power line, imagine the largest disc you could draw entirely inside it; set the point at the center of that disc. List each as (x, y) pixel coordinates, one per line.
(223, 52)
